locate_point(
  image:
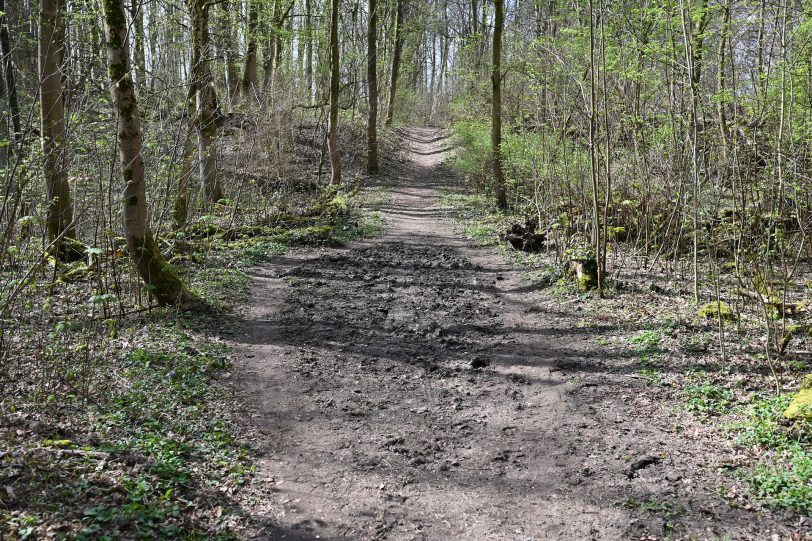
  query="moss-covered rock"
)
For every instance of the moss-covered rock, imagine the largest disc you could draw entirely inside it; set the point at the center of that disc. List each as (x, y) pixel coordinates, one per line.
(801, 405)
(308, 235)
(77, 272)
(717, 309)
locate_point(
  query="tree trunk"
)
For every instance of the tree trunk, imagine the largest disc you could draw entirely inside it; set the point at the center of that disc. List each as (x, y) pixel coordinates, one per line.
(372, 89)
(232, 69)
(8, 72)
(180, 209)
(593, 146)
(332, 134)
(309, 50)
(206, 101)
(721, 82)
(4, 134)
(155, 53)
(249, 75)
(270, 48)
(137, 16)
(60, 206)
(393, 87)
(496, 118)
(166, 287)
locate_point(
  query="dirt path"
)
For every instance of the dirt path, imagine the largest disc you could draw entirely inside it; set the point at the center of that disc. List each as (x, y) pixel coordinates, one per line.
(356, 370)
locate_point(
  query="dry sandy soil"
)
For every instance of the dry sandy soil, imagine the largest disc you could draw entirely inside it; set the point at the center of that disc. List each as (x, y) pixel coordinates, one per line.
(414, 386)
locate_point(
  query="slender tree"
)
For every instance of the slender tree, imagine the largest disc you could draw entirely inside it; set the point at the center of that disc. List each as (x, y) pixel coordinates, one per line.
(372, 89)
(166, 286)
(180, 209)
(309, 50)
(54, 149)
(332, 135)
(205, 101)
(593, 147)
(271, 45)
(229, 56)
(8, 72)
(496, 110)
(693, 58)
(139, 60)
(249, 74)
(396, 58)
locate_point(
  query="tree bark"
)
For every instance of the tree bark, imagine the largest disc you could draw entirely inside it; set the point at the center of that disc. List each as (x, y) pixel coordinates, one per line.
(393, 87)
(593, 146)
(270, 47)
(496, 117)
(332, 133)
(8, 72)
(372, 89)
(206, 101)
(166, 287)
(60, 206)
(721, 82)
(232, 69)
(180, 209)
(309, 50)
(137, 16)
(249, 75)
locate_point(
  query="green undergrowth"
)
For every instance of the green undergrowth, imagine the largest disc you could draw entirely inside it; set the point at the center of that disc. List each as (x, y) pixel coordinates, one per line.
(778, 469)
(150, 456)
(479, 218)
(333, 219)
(782, 474)
(666, 510)
(136, 441)
(481, 221)
(705, 397)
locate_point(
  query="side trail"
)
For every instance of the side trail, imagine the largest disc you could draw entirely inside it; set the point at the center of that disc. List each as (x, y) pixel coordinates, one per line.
(355, 368)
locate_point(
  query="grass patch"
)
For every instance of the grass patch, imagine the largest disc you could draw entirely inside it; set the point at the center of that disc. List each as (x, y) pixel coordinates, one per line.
(652, 377)
(646, 346)
(481, 221)
(665, 508)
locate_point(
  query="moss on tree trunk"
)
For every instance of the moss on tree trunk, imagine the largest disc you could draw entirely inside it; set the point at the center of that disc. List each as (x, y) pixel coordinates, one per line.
(165, 285)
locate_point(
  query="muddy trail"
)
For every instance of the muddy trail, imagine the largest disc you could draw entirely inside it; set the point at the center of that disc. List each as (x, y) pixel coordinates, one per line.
(414, 386)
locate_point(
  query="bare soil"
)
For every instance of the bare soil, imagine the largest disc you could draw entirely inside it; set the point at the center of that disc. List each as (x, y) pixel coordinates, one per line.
(414, 386)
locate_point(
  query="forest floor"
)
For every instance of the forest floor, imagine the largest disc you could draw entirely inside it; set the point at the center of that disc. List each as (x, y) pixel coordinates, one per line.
(416, 386)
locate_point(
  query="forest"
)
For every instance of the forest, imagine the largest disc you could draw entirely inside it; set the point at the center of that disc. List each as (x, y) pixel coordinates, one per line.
(405, 269)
